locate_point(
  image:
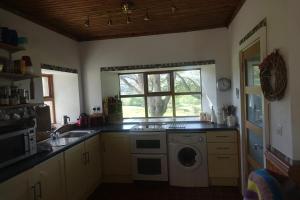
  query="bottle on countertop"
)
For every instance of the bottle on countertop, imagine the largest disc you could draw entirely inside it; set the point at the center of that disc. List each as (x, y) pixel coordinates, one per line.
(213, 118)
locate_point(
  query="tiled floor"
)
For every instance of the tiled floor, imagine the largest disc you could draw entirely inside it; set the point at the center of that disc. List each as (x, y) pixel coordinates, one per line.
(163, 192)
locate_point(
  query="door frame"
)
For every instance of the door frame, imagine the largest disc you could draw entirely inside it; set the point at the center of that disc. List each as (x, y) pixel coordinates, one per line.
(259, 35)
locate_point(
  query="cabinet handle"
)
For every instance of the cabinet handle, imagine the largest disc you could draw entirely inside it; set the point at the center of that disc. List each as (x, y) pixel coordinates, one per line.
(223, 157)
(88, 157)
(223, 148)
(84, 158)
(34, 192)
(222, 136)
(40, 189)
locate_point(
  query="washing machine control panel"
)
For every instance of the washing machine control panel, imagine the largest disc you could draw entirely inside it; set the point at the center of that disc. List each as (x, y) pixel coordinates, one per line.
(186, 138)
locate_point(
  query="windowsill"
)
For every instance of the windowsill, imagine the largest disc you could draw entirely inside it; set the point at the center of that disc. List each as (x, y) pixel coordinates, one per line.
(162, 120)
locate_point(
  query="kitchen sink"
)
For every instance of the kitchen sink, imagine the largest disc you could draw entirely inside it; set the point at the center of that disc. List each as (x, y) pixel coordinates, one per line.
(76, 134)
(62, 141)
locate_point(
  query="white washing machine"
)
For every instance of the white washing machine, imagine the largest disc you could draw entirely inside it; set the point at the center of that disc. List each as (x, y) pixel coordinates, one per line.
(188, 159)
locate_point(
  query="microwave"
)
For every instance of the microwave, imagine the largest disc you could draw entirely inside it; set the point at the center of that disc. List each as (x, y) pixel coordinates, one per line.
(17, 145)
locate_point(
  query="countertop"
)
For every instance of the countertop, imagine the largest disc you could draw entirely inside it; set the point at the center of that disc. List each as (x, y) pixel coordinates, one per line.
(45, 153)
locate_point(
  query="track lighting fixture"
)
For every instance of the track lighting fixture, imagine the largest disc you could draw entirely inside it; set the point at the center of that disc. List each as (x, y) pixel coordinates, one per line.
(87, 22)
(147, 17)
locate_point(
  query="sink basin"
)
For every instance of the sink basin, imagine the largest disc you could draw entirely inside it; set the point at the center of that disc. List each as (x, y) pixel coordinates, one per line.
(76, 134)
(62, 141)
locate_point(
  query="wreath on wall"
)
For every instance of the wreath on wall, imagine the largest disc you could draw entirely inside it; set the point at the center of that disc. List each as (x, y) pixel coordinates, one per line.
(273, 76)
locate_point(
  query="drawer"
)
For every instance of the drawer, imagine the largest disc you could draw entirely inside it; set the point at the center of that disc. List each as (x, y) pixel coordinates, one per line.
(221, 136)
(224, 181)
(223, 166)
(222, 148)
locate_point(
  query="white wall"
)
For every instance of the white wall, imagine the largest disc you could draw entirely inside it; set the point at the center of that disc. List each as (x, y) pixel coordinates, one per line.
(282, 33)
(44, 46)
(167, 48)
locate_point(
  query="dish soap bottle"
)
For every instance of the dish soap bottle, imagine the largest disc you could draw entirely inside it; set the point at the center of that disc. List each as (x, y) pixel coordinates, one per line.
(213, 118)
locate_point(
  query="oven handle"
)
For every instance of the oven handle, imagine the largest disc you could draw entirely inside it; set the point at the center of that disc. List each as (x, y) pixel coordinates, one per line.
(26, 141)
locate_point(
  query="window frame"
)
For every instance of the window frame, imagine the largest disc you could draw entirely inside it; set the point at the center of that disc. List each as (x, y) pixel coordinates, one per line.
(171, 93)
(51, 96)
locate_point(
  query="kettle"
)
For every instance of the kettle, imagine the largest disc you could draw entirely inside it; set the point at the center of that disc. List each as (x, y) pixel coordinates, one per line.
(83, 120)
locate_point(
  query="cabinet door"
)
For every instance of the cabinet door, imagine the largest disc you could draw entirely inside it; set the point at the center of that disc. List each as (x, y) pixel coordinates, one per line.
(17, 188)
(75, 172)
(223, 166)
(116, 156)
(93, 170)
(50, 179)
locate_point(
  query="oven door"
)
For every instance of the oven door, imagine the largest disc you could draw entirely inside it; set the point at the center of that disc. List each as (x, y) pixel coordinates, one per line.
(13, 147)
(150, 167)
(148, 142)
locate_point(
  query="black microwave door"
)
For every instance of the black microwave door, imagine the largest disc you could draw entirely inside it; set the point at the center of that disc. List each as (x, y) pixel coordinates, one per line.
(12, 147)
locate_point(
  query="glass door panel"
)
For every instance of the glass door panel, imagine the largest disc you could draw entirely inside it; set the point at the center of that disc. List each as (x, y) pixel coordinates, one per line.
(253, 107)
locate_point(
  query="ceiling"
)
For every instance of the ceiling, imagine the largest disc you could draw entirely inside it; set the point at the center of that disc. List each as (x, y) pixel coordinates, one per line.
(71, 17)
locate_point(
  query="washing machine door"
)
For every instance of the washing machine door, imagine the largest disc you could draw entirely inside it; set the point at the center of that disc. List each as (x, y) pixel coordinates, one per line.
(189, 157)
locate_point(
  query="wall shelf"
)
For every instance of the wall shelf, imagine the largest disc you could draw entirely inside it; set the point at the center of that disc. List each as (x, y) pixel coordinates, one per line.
(10, 48)
(20, 106)
(17, 77)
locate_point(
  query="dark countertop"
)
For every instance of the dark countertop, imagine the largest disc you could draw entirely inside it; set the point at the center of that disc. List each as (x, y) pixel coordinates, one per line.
(45, 153)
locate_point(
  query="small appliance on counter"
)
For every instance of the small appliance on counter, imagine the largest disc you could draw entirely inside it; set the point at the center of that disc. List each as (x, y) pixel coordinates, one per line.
(83, 121)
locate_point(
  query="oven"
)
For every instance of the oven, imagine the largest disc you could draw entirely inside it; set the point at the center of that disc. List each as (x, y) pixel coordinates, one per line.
(153, 142)
(149, 154)
(17, 145)
(150, 167)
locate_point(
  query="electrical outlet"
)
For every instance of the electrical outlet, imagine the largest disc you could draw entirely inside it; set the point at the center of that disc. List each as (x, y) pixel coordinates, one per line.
(279, 130)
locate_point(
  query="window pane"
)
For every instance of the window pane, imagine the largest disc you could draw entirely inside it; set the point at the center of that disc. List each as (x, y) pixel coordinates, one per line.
(253, 78)
(160, 106)
(50, 104)
(188, 105)
(46, 91)
(254, 110)
(159, 82)
(255, 147)
(187, 81)
(131, 84)
(133, 107)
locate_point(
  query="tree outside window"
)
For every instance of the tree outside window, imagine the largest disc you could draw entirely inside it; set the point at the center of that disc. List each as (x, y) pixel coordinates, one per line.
(161, 94)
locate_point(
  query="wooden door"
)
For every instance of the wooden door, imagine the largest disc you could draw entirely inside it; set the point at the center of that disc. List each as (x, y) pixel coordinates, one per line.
(75, 172)
(50, 182)
(92, 148)
(17, 188)
(116, 157)
(253, 104)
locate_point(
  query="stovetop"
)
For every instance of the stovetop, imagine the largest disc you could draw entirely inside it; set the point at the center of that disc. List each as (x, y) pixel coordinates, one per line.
(149, 127)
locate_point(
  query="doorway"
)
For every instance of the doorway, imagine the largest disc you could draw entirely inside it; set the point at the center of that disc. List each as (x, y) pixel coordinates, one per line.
(254, 107)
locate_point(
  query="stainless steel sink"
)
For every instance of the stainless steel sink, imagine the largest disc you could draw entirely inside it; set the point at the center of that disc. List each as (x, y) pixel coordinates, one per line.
(76, 134)
(62, 141)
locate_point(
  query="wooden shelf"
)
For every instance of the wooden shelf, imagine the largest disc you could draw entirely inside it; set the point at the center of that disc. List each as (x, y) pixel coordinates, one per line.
(17, 77)
(20, 106)
(10, 48)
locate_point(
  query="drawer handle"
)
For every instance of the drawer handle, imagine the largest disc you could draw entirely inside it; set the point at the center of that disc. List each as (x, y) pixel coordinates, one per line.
(223, 148)
(223, 157)
(222, 136)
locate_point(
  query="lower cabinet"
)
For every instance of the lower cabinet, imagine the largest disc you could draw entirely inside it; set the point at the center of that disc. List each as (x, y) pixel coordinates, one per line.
(17, 188)
(43, 182)
(223, 160)
(82, 168)
(116, 157)
(49, 179)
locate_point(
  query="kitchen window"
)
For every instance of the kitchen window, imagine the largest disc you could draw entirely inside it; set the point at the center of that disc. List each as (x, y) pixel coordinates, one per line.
(161, 94)
(48, 94)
